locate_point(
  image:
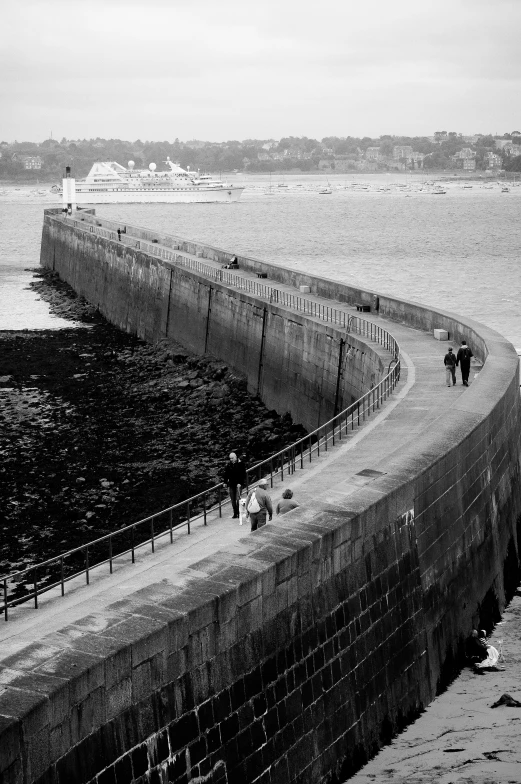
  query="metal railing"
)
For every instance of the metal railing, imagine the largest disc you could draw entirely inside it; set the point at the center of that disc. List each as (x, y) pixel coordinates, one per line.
(340, 318)
(54, 572)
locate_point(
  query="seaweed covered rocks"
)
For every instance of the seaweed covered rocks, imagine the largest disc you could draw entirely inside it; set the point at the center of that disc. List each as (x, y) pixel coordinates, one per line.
(100, 429)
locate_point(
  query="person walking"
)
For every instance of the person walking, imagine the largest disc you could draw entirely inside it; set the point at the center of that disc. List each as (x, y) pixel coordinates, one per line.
(286, 504)
(463, 360)
(258, 505)
(235, 479)
(450, 363)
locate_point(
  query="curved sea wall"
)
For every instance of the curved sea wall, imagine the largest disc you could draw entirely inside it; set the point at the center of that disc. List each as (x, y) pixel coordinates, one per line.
(293, 362)
(296, 655)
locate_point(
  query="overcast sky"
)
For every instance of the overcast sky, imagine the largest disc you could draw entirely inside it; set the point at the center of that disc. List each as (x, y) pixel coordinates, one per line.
(236, 69)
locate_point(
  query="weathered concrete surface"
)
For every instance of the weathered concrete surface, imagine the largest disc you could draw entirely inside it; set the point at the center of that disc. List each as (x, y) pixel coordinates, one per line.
(294, 653)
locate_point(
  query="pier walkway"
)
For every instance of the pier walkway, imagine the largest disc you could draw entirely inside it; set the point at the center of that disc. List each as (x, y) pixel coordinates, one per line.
(35, 644)
(419, 402)
(292, 652)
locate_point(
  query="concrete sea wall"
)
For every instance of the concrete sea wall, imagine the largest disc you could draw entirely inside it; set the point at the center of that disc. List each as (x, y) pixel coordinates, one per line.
(294, 657)
(291, 361)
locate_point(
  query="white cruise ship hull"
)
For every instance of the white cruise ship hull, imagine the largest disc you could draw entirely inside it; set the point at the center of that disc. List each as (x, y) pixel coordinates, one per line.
(162, 196)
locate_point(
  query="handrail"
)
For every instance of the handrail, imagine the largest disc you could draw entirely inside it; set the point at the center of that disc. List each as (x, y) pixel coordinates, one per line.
(340, 318)
(286, 459)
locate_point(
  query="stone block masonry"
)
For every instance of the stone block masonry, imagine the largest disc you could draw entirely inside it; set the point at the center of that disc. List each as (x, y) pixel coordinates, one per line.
(291, 361)
(296, 654)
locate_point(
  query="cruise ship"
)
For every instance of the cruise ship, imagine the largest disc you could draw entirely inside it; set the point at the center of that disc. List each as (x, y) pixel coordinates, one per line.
(111, 183)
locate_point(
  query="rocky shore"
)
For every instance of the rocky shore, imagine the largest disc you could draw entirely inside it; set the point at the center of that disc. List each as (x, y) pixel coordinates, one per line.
(100, 429)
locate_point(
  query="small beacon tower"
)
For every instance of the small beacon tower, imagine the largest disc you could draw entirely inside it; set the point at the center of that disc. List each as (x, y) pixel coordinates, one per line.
(69, 192)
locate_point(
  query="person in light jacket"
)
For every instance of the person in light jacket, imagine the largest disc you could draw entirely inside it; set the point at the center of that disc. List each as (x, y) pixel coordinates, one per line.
(450, 363)
(258, 519)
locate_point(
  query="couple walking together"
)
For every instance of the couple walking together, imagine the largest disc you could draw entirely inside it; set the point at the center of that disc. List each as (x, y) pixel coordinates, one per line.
(258, 502)
(451, 362)
(235, 479)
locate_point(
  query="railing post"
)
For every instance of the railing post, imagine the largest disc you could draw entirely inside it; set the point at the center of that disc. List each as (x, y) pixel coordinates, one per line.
(204, 508)
(282, 467)
(220, 500)
(132, 544)
(188, 515)
(61, 576)
(110, 554)
(152, 535)
(170, 526)
(35, 589)
(5, 600)
(301, 455)
(87, 576)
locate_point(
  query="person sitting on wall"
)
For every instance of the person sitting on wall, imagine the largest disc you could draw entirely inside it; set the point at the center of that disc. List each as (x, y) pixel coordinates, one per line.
(234, 263)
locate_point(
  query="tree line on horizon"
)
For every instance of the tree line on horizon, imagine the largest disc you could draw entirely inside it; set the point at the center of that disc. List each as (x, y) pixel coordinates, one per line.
(294, 153)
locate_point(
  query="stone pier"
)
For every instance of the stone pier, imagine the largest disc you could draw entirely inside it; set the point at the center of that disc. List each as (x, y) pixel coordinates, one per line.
(291, 654)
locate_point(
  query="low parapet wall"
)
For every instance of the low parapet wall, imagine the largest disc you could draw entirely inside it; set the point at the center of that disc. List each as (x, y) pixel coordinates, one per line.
(413, 314)
(296, 655)
(294, 363)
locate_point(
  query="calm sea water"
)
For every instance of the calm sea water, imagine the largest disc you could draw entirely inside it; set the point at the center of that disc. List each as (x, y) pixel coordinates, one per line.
(459, 251)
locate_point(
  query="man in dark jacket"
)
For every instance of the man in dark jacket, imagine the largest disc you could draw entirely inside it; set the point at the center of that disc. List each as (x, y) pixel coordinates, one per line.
(463, 360)
(235, 479)
(450, 367)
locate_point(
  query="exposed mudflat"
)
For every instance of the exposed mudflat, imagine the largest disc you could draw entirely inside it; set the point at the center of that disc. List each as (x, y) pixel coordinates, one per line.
(99, 429)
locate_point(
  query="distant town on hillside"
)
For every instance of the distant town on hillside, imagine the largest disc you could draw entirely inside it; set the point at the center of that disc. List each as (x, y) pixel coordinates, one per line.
(30, 161)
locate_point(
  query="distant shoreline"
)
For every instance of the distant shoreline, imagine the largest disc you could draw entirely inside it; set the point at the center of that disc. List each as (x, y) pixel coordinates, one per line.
(436, 174)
